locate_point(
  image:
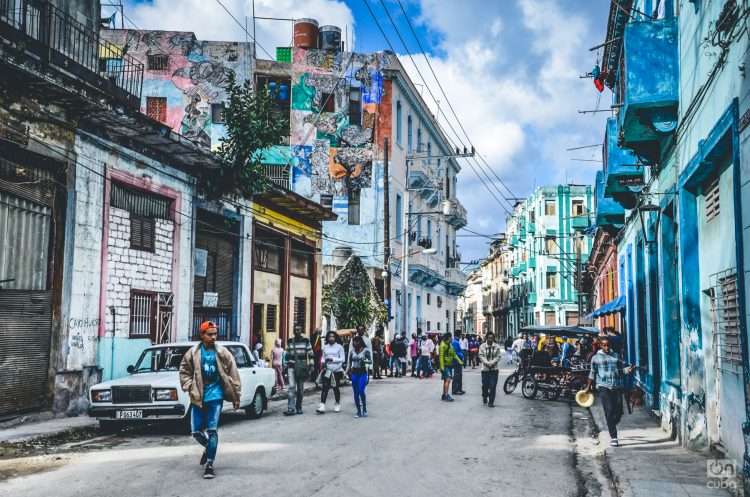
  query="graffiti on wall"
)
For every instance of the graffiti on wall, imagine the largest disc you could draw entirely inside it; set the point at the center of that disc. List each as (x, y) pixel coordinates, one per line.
(191, 77)
(335, 153)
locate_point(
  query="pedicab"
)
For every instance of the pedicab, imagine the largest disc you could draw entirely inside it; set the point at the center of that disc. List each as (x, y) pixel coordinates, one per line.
(540, 372)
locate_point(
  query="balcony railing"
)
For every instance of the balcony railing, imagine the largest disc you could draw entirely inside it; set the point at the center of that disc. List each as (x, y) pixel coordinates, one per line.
(623, 174)
(609, 214)
(457, 214)
(57, 39)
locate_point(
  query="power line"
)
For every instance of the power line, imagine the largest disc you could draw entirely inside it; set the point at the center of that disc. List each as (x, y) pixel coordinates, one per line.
(244, 28)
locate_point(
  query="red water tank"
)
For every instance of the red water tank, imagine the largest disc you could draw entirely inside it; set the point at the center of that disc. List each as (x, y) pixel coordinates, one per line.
(306, 33)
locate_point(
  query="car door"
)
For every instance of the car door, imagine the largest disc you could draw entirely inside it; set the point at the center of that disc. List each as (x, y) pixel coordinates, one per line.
(245, 369)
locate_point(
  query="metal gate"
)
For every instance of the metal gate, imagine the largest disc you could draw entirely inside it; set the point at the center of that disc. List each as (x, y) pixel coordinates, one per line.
(25, 298)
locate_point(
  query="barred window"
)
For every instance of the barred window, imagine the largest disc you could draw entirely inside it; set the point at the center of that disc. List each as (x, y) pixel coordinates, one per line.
(300, 313)
(142, 314)
(271, 319)
(156, 108)
(158, 62)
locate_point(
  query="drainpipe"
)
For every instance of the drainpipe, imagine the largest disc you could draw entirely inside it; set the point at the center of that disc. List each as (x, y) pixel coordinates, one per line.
(112, 344)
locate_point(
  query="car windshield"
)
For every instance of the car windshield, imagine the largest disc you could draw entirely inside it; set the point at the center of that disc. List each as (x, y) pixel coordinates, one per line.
(160, 359)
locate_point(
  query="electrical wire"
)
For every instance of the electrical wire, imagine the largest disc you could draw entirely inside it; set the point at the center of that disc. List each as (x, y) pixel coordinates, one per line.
(244, 28)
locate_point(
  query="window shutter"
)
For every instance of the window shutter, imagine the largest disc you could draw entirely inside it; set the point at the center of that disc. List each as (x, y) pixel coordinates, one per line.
(712, 200)
(300, 312)
(271, 318)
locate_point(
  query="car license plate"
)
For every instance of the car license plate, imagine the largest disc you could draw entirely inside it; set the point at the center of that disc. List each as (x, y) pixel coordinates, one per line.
(129, 414)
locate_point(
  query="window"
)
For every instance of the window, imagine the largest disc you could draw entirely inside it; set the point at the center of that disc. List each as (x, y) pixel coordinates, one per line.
(447, 314)
(578, 209)
(438, 325)
(300, 313)
(267, 257)
(419, 140)
(355, 106)
(217, 113)
(353, 214)
(429, 229)
(409, 139)
(398, 122)
(551, 280)
(271, 318)
(429, 153)
(429, 299)
(328, 102)
(549, 318)
(142, 314)
(531, 216)
(549, 207)
(142, 233)
(156, 108)
(439, 302)
(550, 245)
(712, 200)
(429, 326)
(301, 261)
(399, 217)
(571, 318)
(158, 62)
(278, 174)
(240, 356)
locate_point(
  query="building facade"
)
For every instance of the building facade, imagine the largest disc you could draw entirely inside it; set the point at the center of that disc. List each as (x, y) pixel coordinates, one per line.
(673, 165)
(343, 108)
(548, 245)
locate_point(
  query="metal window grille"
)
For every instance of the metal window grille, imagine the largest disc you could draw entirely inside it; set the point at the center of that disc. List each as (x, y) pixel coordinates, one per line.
(156, 108)
(158, 62)
(278, 174)
(142, 314)
(725, 307)
(300, 312)
(271, 310)
(712, 200)
(140, 203)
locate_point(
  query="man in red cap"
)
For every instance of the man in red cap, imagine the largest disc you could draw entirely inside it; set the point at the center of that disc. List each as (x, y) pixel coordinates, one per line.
(209, 374)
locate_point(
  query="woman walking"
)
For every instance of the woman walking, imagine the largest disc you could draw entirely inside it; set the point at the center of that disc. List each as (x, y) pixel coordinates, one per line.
(277, 359)
(359, 362)
(333, 359)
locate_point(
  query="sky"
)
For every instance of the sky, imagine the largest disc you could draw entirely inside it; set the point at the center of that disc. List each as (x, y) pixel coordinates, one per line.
(509, 68)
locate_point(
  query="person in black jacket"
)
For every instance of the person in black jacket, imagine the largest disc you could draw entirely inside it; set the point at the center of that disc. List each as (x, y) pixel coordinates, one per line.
(398, 349)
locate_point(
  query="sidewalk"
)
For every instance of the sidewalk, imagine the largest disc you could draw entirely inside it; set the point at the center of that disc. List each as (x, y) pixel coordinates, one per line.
(43, 427)
(648, 464)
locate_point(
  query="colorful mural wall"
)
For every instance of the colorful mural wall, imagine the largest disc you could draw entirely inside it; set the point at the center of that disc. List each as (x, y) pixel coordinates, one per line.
(330, 154)
(191, 77)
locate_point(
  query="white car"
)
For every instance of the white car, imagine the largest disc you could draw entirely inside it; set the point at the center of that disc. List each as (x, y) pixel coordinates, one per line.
(152, 390)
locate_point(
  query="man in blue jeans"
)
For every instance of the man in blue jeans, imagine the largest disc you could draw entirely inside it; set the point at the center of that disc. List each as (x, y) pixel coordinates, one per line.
(209, 374)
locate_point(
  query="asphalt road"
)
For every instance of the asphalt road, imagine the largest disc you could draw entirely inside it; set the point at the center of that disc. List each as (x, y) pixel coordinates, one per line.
(412, 444)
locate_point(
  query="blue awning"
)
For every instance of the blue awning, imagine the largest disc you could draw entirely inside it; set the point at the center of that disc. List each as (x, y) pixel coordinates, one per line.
(611, 307)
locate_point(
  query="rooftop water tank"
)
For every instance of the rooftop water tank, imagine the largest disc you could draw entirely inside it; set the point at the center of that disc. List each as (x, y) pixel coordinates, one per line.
(330, 38)
(306, 33)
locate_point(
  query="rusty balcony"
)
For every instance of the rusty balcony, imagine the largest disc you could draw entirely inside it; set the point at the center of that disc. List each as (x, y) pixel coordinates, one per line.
(56, 41)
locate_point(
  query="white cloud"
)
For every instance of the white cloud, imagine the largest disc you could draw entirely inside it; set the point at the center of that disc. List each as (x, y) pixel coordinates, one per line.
(210, 22)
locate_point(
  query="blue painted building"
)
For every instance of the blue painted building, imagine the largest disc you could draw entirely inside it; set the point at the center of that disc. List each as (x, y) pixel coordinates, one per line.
(674, 162)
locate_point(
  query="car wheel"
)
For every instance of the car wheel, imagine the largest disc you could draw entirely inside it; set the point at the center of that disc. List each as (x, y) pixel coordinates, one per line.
(258, 406)
(109, 426)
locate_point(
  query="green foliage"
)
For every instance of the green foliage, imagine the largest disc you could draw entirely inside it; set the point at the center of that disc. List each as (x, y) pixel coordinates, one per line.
(253, 124)
(352, 298)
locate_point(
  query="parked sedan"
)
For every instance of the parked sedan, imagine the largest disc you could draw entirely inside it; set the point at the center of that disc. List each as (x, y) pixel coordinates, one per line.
(151, 391)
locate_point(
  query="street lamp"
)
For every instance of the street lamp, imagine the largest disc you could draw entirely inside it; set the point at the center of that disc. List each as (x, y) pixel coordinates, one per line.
(644, 213)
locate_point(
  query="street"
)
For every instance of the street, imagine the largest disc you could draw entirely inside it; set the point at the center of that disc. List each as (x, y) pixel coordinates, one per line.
(412, 444)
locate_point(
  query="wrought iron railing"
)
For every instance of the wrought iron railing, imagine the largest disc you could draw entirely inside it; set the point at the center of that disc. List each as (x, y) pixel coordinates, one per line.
(57, 38)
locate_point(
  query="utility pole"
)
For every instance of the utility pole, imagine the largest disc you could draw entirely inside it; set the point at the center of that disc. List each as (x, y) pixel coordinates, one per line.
(386, 229)
(405, 242)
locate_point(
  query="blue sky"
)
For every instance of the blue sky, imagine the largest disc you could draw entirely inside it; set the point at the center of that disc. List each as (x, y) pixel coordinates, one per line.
(510, 68)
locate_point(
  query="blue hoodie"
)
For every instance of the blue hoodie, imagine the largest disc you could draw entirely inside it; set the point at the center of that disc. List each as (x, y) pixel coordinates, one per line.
(456, 344)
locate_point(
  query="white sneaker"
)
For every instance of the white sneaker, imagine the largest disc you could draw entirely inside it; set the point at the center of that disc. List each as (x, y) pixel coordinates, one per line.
(337, 407)
(321, 408)
(614, 443)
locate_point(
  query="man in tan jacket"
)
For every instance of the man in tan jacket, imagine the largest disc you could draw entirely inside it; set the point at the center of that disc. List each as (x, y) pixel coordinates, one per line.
(489, 356)
(209, 375)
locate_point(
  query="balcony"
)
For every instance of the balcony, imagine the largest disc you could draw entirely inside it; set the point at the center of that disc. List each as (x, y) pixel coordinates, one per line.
(456, 214)
(418, 179)
(522, 267)
(623, 174)
(650, 85)
(609, 214)
(531, 228)
(532, 263)
(580, 222)
(55, 42)
(531, 298)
